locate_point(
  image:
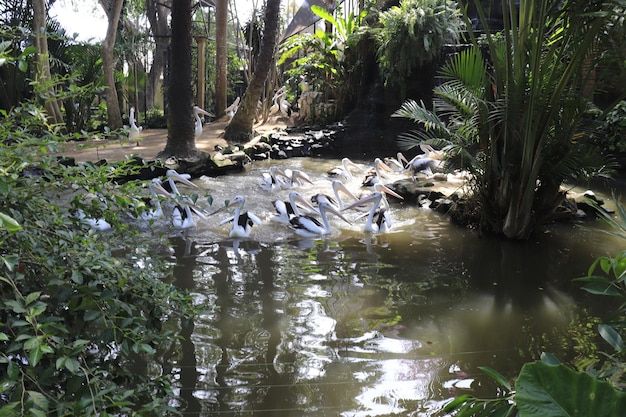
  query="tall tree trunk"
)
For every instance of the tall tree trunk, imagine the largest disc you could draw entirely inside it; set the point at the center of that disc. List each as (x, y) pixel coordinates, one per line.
(113, 10)
(44, 78)
(180, 118)
(158, 15)
(240, 128)
(221, 56)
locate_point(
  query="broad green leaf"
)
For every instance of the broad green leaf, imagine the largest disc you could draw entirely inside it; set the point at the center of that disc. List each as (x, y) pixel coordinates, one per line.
(9, 223)
(557, 391)
(549, 359)
(39, 399)
(496, 376)
(609, 334)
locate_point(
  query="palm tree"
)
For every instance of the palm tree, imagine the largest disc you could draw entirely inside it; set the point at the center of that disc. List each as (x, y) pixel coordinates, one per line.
(240, 128)
(113, 10)
(180, 118)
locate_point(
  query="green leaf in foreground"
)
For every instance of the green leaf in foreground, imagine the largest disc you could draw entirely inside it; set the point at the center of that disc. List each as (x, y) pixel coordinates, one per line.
(558, 391)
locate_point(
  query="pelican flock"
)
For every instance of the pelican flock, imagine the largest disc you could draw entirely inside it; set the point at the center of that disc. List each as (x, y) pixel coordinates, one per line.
(304, 204)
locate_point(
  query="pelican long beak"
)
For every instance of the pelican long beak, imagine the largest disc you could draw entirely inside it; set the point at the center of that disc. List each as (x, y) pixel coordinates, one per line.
(338, 186)
(198, 110)
(362, 201)
(181, 178)
(304, 203)
(337, 213)
(219, 210)
(299, 174)
(387, 190)
(382, 165)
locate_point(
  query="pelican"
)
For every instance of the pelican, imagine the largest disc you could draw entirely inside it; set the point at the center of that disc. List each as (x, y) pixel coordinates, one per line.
(197, 111)
(378, 219)
(282, 91)
(172, 177)
(422, 165)
(242, 222)
(374, 176)
(135, 131)
(270, 181)
(396, 164)
(343, 171)
(153, 209)
(432, 153)
(294, 177)
(335, 202)
(285, 210)
(232, 109)
(97, 223)
(308, 226)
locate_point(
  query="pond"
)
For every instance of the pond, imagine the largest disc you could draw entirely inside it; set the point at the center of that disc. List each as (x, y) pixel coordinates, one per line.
(357, 324)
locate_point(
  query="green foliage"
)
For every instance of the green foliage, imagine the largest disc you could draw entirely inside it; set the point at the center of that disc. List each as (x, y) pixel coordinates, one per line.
(326, 60)
(555, 390)
(414, 34)
(611, 133)
(80, 316)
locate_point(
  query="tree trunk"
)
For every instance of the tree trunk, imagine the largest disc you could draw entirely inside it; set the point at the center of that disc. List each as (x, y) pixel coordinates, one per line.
(221, 56)
(44, 78)
(240, 128)
(158, 15)
(180, 118)
(113, 10)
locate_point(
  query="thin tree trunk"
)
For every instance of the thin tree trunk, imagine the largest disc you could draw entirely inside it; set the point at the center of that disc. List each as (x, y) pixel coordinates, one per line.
(221, 58)
(44, 78)
(240, 128)
(180, 118)
(113, 10)
(157, 15)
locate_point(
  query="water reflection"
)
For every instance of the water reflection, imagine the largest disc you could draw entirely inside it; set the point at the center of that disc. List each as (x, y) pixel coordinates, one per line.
(365, 325)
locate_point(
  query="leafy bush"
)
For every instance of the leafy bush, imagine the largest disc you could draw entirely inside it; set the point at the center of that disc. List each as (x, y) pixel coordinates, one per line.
(611, 132)
(81, 311)
(414, 34)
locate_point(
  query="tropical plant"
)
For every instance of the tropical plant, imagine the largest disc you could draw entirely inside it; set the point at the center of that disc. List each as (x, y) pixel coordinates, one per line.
(325, 59)
(414, 34)
(79, 315)
(529, 114)
(453, 124)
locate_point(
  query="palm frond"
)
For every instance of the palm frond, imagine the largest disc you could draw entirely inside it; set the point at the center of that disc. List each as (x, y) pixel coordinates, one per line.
(418, 113)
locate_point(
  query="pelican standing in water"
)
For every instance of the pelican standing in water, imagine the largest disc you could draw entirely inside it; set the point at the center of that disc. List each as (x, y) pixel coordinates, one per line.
(242, 221)
(308, 226)
(182, 216)
(336, 202)
(375, 175)
(197, 111)
(378, 218)
(343, 172)
(271, 180)
(285, 210)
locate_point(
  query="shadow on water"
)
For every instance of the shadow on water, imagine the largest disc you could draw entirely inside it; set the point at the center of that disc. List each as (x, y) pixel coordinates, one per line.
(366, 325)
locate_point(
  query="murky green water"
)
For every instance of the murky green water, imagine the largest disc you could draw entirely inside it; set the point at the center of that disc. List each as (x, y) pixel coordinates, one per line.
(393, 324)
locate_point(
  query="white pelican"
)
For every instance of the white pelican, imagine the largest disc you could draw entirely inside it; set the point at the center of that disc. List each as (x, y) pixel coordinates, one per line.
(172, 177)
(232, 109)
(336, 202)
(374, 176)
(242, 221)
(432, 153)
(285, 210)
(97, 223)
(197, 111)
(378, 219)
(135, 131)
(343, 171)
(308, 226)
(152, 203)
(294, 177)
(422, 165)
(271, 180)
(282, 91)
(398, 163)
